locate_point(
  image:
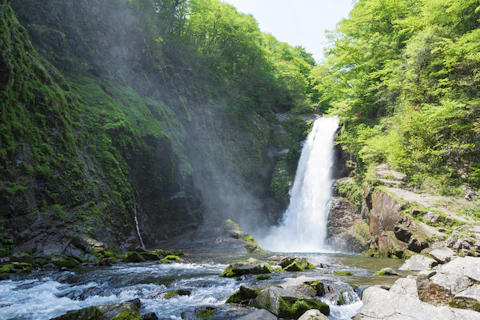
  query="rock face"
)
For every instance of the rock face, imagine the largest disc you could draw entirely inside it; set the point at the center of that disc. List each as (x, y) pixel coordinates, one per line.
(286, 304)
(346, 230)
(443, 255)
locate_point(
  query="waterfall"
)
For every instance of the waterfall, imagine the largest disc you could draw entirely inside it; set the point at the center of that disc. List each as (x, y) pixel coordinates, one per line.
(304, 225)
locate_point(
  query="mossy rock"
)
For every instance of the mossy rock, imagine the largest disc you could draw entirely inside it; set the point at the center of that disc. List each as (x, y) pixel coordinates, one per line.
(239, 269)
(287, 304)
(117, 311)
(294, 267)
(260, 278)
(342, 273)
(244, 294)
(150, 255)
(108, 261)
(65, 261)
(22, 257)
(139, 249)
(133, 257)
(170, 258)
(6, 268)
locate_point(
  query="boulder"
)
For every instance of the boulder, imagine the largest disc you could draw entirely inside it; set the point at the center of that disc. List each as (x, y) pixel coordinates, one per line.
(259, 315)
(304, 285)
(417, 244)
(313, 315)
(382, 304)
(455, 284)
(443, 255)
(244, 295)
(418, 263)
(295, 264)
(239, 269)
(406, 287)
(123, 310)
(286, 304)
(133, 257)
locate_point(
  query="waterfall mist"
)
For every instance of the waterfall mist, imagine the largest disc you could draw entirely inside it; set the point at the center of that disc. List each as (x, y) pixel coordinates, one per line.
(304, 225)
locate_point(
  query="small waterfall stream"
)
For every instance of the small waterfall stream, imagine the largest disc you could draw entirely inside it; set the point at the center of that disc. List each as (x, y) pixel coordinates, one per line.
(304, 225)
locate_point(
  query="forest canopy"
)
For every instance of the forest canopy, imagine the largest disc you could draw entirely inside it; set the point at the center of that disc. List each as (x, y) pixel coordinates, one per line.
(403, 76)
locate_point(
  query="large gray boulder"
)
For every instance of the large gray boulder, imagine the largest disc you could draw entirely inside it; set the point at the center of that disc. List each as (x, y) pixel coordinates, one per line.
(286, 304)
(382, 304)
(418, 263)
(304, 285)
(455, 284)
(259, 315)
(443, 255)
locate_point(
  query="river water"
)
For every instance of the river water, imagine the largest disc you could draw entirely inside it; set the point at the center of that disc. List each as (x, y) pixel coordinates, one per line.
(45, 295)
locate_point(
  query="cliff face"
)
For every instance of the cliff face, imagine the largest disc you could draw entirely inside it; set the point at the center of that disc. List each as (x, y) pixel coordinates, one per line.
(100, 122)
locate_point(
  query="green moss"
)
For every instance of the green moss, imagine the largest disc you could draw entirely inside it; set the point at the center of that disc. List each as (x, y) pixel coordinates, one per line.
(133, 257)
(150, 256)
(128, 315)
(289, 308)
(171, 294)
(342, 273)
(259, 278)
(170, 258)
(6, 268)
(65, 261)
(205, 314)
(294, 267)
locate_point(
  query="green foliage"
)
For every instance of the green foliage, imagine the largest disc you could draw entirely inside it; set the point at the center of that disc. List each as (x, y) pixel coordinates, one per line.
(403, 77)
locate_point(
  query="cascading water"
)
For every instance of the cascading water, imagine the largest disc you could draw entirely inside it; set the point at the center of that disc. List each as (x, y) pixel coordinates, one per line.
(304, 225)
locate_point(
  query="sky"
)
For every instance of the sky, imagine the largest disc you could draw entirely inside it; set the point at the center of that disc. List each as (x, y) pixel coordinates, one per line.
(297, 22)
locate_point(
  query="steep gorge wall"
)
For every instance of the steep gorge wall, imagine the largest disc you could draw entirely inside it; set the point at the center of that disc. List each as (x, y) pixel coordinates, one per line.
(100, 124)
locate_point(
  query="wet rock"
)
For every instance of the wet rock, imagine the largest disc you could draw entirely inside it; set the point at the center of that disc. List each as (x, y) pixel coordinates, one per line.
(176, 293)
(418, 263)
(240, 269)
(286, 304)
(304, 285)
(133, 257)
(382, 304)
(244, 295)
(123, 310)
(64, 261)
(387, 272)
(276, 258)
(170, 258)
(150, 316)
(149, 256)
(313, 315)
(295, 264)
(22, 257)
(443, 255)
(259, 315)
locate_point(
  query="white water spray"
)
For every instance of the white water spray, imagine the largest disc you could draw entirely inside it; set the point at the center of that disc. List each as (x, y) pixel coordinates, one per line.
(304, 226)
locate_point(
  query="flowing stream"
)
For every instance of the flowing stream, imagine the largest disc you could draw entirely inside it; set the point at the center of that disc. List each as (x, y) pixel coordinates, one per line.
(44, 295)
(304, 225)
